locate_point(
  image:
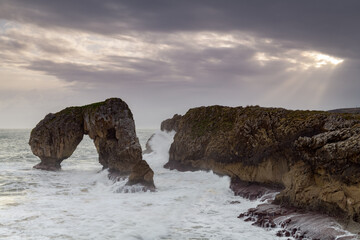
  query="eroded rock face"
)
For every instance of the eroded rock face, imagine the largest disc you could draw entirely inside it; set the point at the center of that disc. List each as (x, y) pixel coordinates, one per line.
(171, 123)
(314, 155)
(112, 128)
(56, 137)
(142, 174)
(328, 172)
(109, 124)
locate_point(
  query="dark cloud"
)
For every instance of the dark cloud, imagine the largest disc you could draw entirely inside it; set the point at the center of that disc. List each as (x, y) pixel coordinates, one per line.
(54, 47)
(12, 45)
(17, 42)
(79, 73)
(185, 66)
(215, 66)
(139, 68)
(326, 25)
(150, 54)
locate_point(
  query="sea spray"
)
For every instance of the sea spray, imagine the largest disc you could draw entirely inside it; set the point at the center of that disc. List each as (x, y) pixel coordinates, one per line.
(80, 202)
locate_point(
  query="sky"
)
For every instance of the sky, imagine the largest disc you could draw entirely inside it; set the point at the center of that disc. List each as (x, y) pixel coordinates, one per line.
(163, 57)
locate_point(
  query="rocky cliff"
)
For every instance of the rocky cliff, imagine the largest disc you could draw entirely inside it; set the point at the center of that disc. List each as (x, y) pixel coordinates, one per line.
(171, 123)
(109, 124)
(345, 110)
(314, 156)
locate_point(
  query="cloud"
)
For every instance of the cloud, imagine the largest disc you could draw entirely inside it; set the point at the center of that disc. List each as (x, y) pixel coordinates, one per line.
(121, 71)
(163, 57)
(183, 59)
(12, 45)
(326, 25)
(190, 60)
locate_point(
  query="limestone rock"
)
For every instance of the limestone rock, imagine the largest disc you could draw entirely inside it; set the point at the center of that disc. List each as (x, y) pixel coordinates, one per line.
(109, 124)
(332, 160)
(171, 123)
(56, 137)
(346, 110)
(142, 174)
(314, 155)
(112, 128)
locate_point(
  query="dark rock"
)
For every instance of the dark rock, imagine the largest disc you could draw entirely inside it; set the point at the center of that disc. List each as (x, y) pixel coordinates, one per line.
(346, 110)
(312, 155)
(142, 174)
(296, 223)
(109, 124)
(252, 191)
(56, 138)
(171, 123)
(241, 215)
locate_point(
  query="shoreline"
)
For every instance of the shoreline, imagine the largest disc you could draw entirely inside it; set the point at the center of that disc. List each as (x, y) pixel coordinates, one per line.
(291, 221)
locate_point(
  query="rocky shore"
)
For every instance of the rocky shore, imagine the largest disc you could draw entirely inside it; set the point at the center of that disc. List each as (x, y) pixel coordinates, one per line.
(291, 221)
(109, 124)
(313, 157)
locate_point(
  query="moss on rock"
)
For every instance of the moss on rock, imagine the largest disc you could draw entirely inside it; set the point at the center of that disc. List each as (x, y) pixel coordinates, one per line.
(266, 145)
(109, 124)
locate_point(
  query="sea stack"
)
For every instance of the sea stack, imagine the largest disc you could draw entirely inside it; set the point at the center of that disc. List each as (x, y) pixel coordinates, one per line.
(109, 124)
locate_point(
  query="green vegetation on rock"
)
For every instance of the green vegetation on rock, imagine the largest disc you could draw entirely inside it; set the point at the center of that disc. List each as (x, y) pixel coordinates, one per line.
(79, 110)
(314, 155)
(210, 120)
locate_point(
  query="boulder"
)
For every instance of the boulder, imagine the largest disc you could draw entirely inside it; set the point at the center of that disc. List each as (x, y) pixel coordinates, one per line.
(142, 174)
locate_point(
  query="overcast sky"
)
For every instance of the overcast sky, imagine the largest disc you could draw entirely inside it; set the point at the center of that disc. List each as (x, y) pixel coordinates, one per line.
(164, 57)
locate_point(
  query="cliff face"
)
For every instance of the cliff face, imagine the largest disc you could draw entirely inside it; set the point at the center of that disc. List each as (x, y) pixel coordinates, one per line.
(314, 156)
(328, 176)
(56, 137)
(171, 123)
(345, 110)
(109, 124)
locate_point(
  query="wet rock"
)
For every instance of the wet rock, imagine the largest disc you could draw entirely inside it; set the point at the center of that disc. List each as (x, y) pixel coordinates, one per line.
(56, 137)
(253, 191)
(171, 123)
(296, 223)
(109, 124)
(312, 155)
(142, 174)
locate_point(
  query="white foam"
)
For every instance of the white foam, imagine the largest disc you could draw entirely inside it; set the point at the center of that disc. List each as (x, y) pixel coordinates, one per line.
(80, 202)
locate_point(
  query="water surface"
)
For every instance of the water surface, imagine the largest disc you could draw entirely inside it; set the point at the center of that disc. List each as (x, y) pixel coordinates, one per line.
(80, 202)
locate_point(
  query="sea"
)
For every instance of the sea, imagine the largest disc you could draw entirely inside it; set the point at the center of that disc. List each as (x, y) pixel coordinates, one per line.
(80, 202)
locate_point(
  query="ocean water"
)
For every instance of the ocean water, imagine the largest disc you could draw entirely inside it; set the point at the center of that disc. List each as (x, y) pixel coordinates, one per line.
(80, 202)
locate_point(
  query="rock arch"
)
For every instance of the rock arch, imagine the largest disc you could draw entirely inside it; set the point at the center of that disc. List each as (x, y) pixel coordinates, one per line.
(109, 124)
